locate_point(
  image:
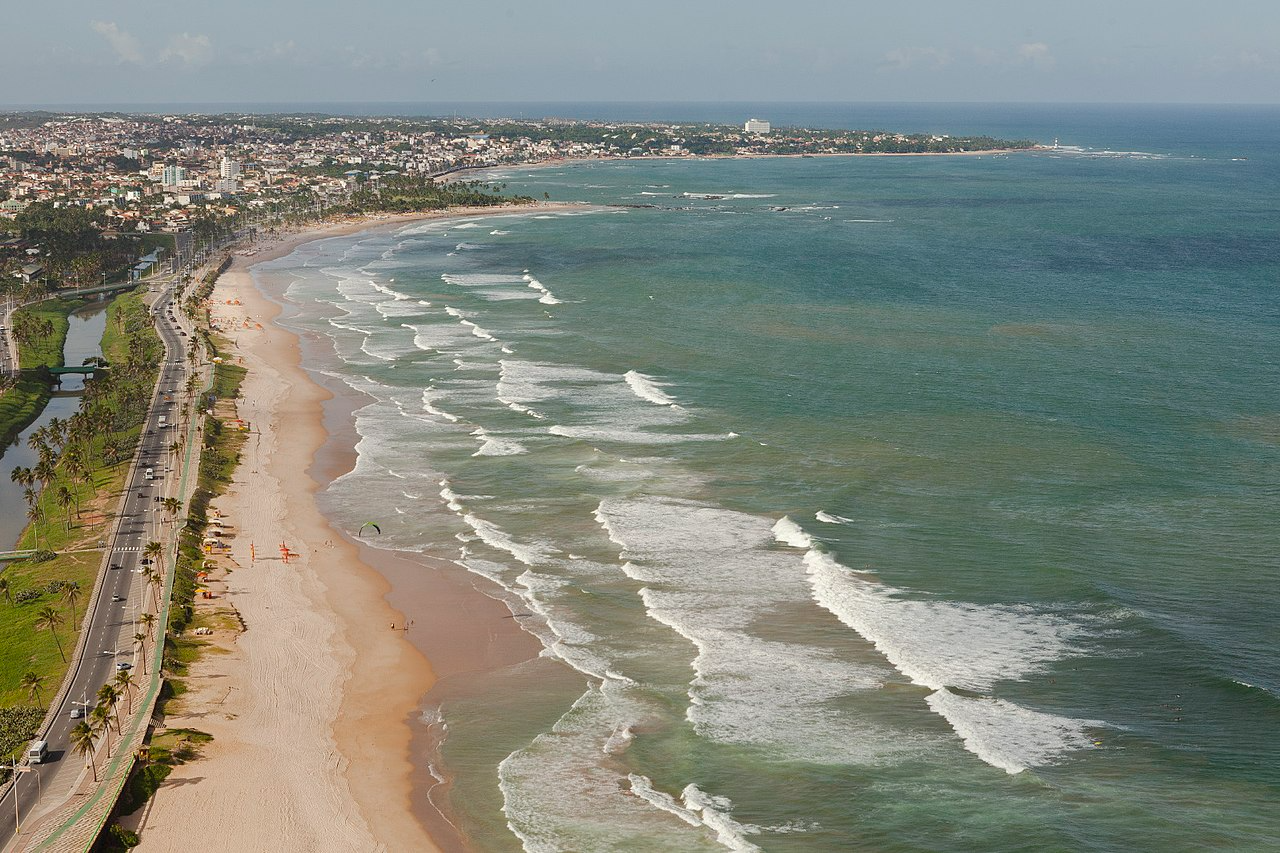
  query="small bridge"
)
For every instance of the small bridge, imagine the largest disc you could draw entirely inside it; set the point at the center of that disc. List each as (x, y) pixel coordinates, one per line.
(83, 369)
(9, 556)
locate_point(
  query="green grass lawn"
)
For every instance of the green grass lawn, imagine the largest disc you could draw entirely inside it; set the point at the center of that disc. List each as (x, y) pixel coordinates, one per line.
(23, 648)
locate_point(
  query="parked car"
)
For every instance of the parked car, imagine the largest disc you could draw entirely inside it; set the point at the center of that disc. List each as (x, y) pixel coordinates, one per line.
(124, 665)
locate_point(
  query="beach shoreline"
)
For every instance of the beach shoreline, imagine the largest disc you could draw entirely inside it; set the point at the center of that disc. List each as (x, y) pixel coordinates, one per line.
(319, 698)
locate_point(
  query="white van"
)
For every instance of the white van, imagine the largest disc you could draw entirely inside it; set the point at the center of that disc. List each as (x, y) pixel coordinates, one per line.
(38, 752)
(150, 474)
(162, 423)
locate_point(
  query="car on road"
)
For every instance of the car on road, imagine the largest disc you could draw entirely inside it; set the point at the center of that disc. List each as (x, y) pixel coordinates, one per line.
(116, 566)
(124, 665)
(77, 713)
(117, 597)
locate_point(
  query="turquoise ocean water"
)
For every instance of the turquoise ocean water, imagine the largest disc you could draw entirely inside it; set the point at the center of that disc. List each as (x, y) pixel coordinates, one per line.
(877, 503)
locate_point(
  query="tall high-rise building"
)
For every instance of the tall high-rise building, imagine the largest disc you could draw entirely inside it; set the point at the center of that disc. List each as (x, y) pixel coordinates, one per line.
(229, 169)
(173, 175)
(757, 125)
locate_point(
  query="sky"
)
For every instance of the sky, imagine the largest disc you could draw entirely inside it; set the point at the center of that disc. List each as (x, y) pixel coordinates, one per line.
(273, 51)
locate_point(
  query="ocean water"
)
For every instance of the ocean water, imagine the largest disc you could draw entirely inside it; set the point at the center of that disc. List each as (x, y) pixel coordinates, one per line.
(879, 503)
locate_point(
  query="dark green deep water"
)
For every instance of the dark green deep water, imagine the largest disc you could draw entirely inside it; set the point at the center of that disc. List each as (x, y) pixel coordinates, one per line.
(884, 503)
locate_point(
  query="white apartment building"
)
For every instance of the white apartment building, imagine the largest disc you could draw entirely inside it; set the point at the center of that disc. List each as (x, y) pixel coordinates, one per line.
(229, 169)
(756, 125)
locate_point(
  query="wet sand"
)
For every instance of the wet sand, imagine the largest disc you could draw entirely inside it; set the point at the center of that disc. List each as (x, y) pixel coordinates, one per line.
(316, 708)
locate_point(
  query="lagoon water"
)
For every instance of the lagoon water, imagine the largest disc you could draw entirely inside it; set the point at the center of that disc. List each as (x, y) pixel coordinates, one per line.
(876, 503)
(84, 339)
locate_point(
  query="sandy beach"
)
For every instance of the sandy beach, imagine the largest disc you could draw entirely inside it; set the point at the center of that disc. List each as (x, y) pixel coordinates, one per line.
(312, 705)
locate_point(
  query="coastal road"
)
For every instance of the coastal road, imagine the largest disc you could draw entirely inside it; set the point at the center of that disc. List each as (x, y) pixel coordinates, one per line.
(123, 594)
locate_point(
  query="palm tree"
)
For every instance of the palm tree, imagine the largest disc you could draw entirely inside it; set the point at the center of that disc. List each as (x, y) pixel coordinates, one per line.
(108, 696)
(22, 476)
(172, 505)
(125, 681)
(154, 550)
(82, 742)
(50, 619)
(46, 473)
(34, 684)
(36, 438)
(65, 499)
(71, 594)
(34, 515)
(156, 582)
(140, 641)
(148, 621)
(100, 719)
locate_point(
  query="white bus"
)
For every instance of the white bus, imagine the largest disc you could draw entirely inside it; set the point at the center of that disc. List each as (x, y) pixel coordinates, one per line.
(38, 752)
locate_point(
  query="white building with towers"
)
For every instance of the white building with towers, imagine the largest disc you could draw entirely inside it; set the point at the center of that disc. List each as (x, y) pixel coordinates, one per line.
(757, 125)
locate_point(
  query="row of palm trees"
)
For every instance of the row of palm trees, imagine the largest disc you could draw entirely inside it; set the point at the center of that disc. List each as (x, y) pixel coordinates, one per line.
(66, 448)
(99, 721)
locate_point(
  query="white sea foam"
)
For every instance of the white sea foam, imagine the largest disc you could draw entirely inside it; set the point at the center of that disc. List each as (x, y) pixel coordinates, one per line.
(567, 639)
(828, 518)
(468, 225)
(728, 195)
(477, 331)
(715, 814)
(451, 498)
(546, 298)
(498, 233)
(1009, 736)
(945, 644)
(788, 532)
(559, 793)
(646, 388)
(496, 537)
(394, 294)
(710, 574)
(491, 446)
(491, 286)
(633, 436)
(643, 788)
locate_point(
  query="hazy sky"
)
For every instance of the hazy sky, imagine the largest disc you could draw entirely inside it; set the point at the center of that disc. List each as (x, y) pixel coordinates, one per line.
(142, 51)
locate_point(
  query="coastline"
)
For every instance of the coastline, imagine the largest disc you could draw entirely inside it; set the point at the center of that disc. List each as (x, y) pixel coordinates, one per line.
(474, 171)
(316, 699)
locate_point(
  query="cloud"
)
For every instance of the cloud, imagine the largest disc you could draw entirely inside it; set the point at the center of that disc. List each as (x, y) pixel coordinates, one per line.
(126, 47)
(912, 57)
(188, 49)
(1035, 53)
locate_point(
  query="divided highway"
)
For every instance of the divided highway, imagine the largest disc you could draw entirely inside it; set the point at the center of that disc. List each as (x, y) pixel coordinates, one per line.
(122, 595)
